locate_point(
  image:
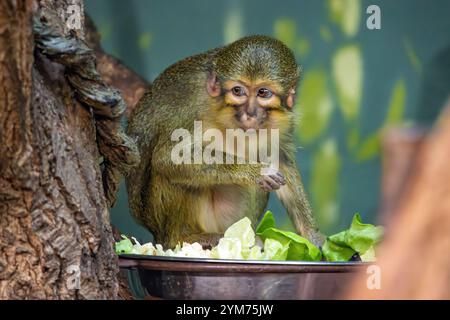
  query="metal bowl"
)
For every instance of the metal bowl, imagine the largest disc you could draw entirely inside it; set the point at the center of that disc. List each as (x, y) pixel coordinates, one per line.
(188, 278)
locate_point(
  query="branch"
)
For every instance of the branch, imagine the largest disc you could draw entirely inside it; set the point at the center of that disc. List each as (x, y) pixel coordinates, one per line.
(118, 150)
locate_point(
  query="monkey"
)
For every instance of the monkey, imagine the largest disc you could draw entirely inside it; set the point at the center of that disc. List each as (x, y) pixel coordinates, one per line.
(248, 84)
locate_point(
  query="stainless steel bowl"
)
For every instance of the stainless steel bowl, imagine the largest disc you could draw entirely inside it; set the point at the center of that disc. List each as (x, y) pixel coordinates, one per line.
(188, 278)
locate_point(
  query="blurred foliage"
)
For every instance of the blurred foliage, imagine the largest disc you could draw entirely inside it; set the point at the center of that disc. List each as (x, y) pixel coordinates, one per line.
(315, 104)
(325, 183)
(348, 79)
(286, 30)
(412, 56)
(325, 33)
(145, 40)
(370, 147)
(233, 26)
(346, 14)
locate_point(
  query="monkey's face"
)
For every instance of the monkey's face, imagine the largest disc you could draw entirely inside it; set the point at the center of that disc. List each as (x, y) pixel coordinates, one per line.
(251, 102)
(254, 104)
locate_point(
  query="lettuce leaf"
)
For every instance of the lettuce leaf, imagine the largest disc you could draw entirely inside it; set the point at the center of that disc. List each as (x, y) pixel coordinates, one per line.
(359, 238)
(299, 248)
(124, 246)
(335, 252)
(243, 231)
(275, 250)
(362, 236)
(268, 221)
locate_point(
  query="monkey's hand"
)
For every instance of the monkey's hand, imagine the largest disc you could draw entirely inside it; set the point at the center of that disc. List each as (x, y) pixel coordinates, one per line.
(272, 181)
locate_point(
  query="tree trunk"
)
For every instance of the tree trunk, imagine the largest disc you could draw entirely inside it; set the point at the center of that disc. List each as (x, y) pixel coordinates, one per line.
(58, 123)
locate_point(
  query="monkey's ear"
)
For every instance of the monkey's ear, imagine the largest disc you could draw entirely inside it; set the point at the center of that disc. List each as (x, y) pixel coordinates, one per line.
(213, 85)
(290, 100)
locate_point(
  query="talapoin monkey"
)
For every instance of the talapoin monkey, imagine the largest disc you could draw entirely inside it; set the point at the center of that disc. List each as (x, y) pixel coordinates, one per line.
(249, 84)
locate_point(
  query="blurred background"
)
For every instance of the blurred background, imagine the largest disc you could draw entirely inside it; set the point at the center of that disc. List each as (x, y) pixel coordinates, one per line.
(355, 83)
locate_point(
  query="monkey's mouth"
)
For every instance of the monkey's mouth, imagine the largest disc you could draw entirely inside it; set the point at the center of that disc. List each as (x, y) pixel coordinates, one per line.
(247, 122)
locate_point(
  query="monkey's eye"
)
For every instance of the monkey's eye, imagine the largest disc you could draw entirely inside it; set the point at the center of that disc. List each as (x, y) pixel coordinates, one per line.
(238, 91)
(264, 93)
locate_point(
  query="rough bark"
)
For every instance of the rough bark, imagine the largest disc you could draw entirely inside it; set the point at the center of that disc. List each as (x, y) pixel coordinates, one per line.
(55, 236)
(414, 258)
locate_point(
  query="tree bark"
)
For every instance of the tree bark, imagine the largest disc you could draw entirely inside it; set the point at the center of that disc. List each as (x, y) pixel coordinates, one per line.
(55, 235)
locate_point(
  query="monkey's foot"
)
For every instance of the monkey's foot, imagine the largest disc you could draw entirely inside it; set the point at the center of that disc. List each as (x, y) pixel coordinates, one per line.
(317, 239)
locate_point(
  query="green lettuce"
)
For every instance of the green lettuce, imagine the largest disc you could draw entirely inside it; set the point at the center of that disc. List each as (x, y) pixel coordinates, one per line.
(336, 252)
(360, 238)
(275, 250)
(299, 248)
(124, 246)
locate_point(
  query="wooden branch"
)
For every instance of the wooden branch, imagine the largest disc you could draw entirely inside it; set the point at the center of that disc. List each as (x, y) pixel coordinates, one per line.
(114, 72)
(414, 258)
(119, 152)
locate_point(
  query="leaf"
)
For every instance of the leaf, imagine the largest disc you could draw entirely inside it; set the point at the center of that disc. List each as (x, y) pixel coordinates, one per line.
(412, 56)
(347, 69)
(369, 148)
(145, 40)
(353, 137)
(243, 231)
(315, 104)
(346, 14)
(275, 250)
(334, 252)
(268, 221)
(285, 31)
(303, 47)
(325, 183)
(362, 236)
(369, 256)
(124, 246)
(396, 108)
(233, 25)
(339, 238)
(299, 247)
(325, 33)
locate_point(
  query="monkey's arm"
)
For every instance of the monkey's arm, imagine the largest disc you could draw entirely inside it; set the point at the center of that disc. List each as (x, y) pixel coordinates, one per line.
(205, 175)
(293, 197)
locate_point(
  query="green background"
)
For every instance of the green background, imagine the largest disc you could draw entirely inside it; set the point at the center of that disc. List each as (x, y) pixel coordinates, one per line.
(355, 83)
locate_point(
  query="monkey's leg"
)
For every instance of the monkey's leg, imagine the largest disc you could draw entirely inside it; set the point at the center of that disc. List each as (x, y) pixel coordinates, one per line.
(293, 198)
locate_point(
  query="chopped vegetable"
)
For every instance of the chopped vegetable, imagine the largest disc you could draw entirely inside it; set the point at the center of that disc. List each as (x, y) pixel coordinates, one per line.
(299, 248)
(243, 231)
(239, 243)
(359, 238)
(228, 248)
(124, 246)
(274, 250)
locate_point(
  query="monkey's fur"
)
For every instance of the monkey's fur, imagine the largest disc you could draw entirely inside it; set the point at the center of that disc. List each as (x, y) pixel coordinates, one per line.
(197, 202)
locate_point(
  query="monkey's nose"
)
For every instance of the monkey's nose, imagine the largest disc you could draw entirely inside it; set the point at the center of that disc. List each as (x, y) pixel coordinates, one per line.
(248, 122)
